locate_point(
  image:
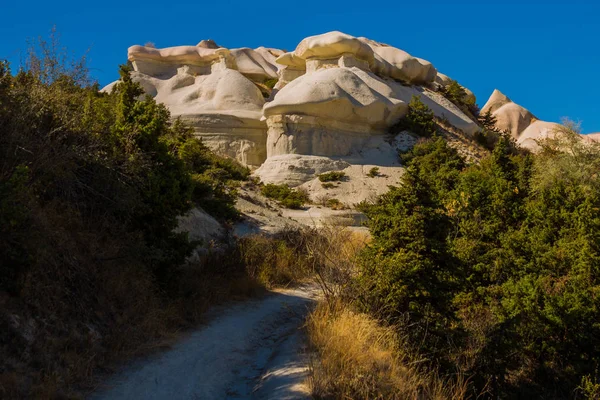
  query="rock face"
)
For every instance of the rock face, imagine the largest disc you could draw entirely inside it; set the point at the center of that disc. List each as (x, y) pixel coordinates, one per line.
(335, 99)
(213, 89)
(510, 117)
(522, 125)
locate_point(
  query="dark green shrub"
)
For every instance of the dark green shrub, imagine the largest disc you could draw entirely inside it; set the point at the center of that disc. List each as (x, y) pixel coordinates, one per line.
(332, 176)
(419, 119)
(327, 185)
(373, 172)
(91, 185)
(489, 135)
(15, 197)
(494, 264)
(287, 197)
(270, 83)
(457, 95)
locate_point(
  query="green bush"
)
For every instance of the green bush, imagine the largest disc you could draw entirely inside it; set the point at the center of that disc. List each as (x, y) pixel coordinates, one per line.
(270, 83)
(332, 176)
(419, 119)
(457, 95)
(287, 197)
(327, 185)
(373, 172)
(91, 186)
(489, 135)
(494, 267)
(107, 156)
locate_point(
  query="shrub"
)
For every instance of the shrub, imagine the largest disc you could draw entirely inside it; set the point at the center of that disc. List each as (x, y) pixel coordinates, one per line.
(419, 119)
(286, 196)
(470, 258)
(333, 176)
(335, 204)
(457, 95)
(373, 172)
(91, 185)
(590, 388)
(280, 259)
(270, 83)
(489, 135)
(296, 254)
(327, 185)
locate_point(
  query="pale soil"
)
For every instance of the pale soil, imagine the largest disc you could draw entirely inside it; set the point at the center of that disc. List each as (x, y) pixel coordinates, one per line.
(251, 350)
(262, 215)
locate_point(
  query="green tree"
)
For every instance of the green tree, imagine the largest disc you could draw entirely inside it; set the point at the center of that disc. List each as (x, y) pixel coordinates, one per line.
(407, 272)
(494, 266)
(419, 119)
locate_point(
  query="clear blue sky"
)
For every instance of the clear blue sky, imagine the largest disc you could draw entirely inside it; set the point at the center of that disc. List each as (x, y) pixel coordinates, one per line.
(543, 55)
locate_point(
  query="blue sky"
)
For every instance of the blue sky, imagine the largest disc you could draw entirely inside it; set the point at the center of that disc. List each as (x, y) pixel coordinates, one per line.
(543, 55)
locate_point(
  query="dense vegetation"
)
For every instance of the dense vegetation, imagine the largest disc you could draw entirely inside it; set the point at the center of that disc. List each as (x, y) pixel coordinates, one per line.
(286, 196)
(91, 186)
(419, 119)
(493, 269)
(106, 159)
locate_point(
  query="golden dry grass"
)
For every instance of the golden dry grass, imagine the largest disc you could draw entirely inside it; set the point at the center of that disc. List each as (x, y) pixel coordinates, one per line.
(356, 358)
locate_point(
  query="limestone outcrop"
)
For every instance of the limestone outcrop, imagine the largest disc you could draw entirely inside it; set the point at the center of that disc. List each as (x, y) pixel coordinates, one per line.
(213, 89)
(335, 99)
(345, 94)
(520, 123)
(510, 117)
(290, 68)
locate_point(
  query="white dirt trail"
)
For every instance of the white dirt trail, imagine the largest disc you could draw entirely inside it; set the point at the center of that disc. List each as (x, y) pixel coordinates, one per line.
(250, 350)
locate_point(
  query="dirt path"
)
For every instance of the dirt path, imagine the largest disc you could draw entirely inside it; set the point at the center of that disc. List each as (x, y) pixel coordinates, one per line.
(252, 350)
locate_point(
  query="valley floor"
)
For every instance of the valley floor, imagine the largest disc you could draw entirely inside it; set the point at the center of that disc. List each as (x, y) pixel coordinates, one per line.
(251, 350)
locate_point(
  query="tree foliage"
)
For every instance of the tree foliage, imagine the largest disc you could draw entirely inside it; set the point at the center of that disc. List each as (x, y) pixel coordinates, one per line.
(419, 119)
(494, 267)
(85, 157)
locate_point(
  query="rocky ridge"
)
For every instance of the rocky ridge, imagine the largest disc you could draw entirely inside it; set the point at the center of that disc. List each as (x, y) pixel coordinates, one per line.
(332, 102)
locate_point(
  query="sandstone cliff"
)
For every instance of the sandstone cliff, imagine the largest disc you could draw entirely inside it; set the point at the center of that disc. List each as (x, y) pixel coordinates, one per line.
(335, 99)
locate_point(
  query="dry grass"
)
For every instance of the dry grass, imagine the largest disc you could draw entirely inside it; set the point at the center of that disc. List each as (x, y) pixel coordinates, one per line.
(277, 260)
(294, 255)
(334, 252)
(355, 357)
(359, 359)
(75, 321)
(76, 317)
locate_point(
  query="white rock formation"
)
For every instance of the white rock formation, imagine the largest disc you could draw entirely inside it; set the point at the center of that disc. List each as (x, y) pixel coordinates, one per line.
(200, 226)
(593, 136)
(398, 64)
(510, 117)
(334, 102)
(538, 130)
(213, 89)
(522, 124)
(258, 65)
(333, 45)
(290, 68)
(343, 98)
